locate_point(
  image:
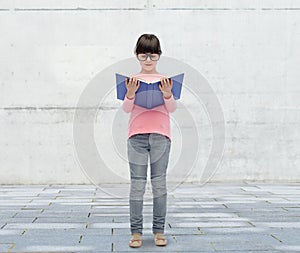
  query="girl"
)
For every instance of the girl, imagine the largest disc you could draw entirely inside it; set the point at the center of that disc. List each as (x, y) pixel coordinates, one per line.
(149, 134)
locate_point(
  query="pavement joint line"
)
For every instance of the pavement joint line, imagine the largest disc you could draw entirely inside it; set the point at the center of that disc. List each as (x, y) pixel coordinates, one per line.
(238, 214)
(174, 238)
(3, 226)
(213, 246)
(80, 238)
(276, 238)
(201, 231)
(251, 223)
(24, 231)
(11, 247)
(14, 215)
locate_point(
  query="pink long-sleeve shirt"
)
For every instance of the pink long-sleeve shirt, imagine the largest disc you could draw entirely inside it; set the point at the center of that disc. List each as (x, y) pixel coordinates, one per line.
(155, 120)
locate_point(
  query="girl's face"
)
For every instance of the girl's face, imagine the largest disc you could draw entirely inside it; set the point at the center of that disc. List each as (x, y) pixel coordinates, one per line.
(148, 62)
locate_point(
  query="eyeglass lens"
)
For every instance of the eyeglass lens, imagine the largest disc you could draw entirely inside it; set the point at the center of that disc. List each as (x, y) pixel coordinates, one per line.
(143, 57)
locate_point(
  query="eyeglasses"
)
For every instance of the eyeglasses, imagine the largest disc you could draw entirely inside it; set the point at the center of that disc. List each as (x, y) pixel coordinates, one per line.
(143, 57)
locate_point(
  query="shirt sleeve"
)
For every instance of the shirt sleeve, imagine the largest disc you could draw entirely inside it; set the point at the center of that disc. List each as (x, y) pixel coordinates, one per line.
(170, 103)
(128, 104)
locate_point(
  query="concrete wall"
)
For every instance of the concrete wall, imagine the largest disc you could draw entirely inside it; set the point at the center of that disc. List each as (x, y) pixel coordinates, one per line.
(247, 50)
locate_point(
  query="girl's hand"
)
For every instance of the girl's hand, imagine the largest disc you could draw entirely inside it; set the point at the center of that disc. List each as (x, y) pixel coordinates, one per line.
(166, 86)
(132, 86)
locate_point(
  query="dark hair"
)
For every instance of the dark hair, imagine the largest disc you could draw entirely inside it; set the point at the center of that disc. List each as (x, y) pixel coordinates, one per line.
(148, 43)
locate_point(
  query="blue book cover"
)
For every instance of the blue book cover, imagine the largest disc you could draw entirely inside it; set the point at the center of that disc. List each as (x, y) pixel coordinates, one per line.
(148, 94)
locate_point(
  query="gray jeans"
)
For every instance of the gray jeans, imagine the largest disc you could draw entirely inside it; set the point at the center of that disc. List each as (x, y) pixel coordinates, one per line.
(139, 146)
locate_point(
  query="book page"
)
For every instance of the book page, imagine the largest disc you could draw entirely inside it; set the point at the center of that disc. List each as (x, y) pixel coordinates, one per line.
(154, 81)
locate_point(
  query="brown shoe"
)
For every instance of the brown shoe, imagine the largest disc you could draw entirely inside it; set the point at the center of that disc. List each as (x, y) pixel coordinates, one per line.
(136, 240)
(159, 239)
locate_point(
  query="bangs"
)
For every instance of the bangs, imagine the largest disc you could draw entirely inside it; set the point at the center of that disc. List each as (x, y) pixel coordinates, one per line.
(148, 43)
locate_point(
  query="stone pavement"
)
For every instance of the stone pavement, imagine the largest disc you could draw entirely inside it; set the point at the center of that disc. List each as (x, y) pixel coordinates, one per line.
(215, 217)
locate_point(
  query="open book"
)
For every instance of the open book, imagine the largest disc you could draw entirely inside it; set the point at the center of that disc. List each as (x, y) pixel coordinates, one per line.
(148, 94)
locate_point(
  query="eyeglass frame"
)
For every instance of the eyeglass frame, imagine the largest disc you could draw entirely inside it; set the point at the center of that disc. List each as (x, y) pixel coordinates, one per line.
(148, 55)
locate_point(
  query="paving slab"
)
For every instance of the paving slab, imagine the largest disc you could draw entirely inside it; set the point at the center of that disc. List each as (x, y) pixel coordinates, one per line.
(215, 217)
